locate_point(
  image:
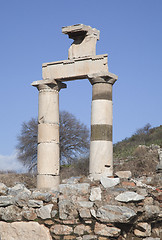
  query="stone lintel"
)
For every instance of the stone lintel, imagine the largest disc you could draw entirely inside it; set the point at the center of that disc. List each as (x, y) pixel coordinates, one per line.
(78, 68)
(80, 30)
(102, 77)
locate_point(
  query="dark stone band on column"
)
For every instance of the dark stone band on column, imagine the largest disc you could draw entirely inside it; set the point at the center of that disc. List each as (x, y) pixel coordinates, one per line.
(101, 132)
(102, 91)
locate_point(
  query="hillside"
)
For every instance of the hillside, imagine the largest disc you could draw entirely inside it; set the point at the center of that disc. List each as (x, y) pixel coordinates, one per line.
(143, 136)
(139, 153)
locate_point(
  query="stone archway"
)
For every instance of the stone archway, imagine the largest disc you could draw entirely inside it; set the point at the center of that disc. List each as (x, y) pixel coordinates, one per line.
(82, 63)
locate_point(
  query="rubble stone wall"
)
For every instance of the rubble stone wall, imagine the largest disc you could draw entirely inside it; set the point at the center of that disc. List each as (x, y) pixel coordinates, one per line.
(113, 208)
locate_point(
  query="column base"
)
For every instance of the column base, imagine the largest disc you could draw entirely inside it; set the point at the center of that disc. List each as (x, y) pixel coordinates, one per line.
(45, 181)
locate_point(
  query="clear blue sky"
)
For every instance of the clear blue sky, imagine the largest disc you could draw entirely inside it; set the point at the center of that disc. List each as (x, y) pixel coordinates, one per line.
(131, 34)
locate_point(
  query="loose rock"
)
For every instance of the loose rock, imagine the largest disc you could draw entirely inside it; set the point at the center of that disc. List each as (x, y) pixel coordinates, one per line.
(109, 182)
(129, 196)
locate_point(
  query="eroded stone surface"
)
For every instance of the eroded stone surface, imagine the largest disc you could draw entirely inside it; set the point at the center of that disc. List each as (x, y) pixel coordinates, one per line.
(61, 229)
(109, 182)
(143, 230)
(81, 229)
(45, 211)
(67, 210)
(11, 213)
(23, 231)
(95, 194)
(103, 230)
(129, 196)
(112, 213)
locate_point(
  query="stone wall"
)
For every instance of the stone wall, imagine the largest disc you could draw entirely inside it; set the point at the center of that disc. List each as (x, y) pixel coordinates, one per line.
(114, 208)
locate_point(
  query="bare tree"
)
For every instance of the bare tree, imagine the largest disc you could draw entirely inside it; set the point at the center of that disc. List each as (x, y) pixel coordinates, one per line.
(74, 138)
(74, 141)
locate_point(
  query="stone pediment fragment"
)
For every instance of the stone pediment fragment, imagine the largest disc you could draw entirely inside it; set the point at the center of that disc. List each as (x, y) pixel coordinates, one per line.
(85, 38)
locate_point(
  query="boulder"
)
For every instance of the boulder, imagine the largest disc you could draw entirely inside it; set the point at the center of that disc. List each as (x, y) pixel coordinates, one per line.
(11, 213)
(67, 210)
(45, 211)
(23, 231)
(44, 196)
(6, 201)
(17, 189)
(113, 213)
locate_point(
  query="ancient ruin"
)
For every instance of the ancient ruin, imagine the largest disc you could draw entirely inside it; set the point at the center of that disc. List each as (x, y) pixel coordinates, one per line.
(82, 63)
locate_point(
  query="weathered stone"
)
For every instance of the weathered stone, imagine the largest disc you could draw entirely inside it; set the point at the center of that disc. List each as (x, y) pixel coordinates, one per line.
(109, 182)
(54, 213)
(84, 213)
(124, 174)
(129, 197)
(81, 229)
(45, 211)
(95, 194)
(44, 196)
(67, 210)
(11, 213)
(35, 203)
(29, 213)
(69, 237)
(112, 213)
(85, 38)
(61, 229)
(151, 212)
(3, 189)
(74, 189)
(21, 199)
(143, 229)
(48, 222)
(23, 231)
(148, 201)
(103, 230)
(6, 201)
(89, 237)
(85, 204)
(17, 189)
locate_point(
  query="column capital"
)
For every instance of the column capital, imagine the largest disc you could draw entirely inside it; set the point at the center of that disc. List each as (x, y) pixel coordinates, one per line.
(49, 84)
(102, 77)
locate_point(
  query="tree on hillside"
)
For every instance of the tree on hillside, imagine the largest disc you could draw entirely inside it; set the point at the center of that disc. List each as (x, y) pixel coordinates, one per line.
(74, 141)
(143, 133)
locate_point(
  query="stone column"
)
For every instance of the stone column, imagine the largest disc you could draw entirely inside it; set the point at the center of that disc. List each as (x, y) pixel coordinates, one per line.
(101, 146)
(48, 166)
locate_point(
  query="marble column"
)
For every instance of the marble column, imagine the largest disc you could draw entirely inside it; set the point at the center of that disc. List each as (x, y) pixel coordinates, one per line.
(101, 146)
(48, 166)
